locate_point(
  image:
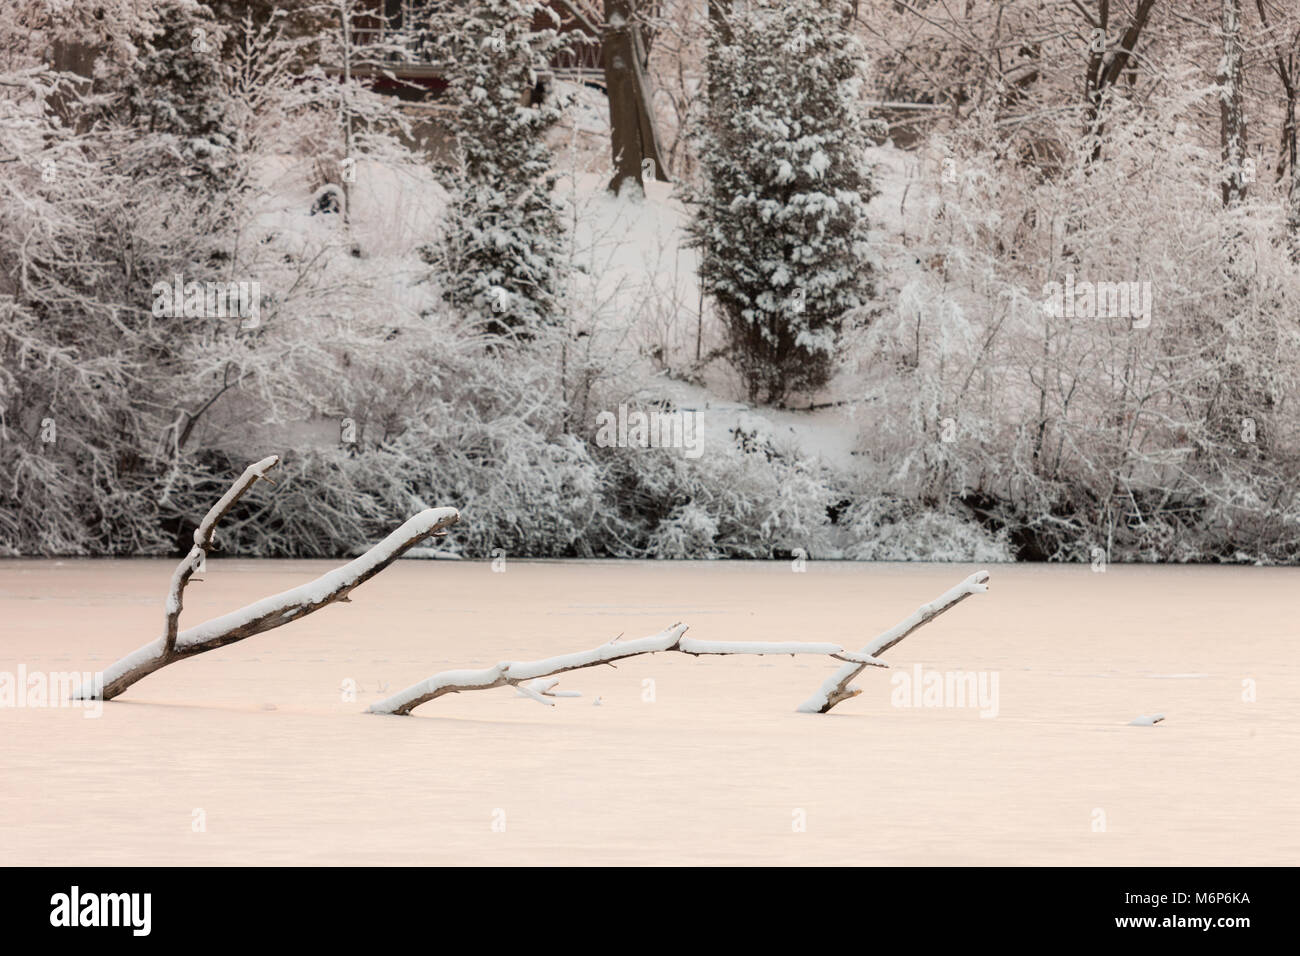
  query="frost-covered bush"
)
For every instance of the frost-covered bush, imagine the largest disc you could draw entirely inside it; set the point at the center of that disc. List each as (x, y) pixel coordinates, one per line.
(430, 421)
(117, 419)
(517, 492)
(95, 389)
(781, 216)
(1160, 434)
(879, 530)
(737, 500)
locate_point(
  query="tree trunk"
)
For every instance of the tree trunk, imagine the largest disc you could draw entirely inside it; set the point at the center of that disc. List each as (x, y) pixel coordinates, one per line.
(633, 134)
(1284, 64)
(79, 59)
(1105, 68)
(1232, 113)
(1293, 196)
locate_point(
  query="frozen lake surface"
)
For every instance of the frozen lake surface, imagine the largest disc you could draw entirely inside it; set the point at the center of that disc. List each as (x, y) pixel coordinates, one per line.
(252, 754)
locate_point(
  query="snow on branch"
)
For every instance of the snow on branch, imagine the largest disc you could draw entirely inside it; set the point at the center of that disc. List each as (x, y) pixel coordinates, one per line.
(524, 675)
(837, 687)
(543, 688)
(204, 543)
(270, 612)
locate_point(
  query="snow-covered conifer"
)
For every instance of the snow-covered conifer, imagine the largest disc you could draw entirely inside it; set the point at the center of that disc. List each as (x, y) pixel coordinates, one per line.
(176, 83)
(781, 217)
(500, 253)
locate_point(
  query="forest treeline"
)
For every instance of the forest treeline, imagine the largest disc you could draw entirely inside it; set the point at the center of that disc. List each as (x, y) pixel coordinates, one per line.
(1044, 256)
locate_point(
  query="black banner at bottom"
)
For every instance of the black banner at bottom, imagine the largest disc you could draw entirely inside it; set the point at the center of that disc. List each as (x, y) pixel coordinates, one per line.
(611, 908)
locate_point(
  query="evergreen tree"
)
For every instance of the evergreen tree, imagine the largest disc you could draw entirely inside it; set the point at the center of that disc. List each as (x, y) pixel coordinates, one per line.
(176, 85)
(501, 250)
(781, 218)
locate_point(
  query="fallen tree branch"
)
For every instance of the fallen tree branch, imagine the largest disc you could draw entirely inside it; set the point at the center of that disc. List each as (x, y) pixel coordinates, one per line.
(522, 674)
(268, 613)
(836, 688)
(204, 543)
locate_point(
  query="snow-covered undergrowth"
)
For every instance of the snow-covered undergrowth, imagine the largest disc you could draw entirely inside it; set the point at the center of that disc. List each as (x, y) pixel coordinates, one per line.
(432, 418)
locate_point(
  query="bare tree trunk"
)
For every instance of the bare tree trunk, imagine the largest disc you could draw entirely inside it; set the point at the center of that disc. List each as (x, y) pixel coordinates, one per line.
(78, 59)
(1237, 398)
(1284, 65)
(719, 11)
(345, 107)
(1106, 66)
(1293, 197)
(633, 133)
(1232, 114)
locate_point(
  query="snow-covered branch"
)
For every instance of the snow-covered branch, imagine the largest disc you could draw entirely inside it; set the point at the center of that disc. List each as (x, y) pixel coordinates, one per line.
(838, 687)
(522, 674)
(203, 544)
(270, 612)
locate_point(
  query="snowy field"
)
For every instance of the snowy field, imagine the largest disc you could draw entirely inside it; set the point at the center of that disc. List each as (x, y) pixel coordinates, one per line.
(253, 754)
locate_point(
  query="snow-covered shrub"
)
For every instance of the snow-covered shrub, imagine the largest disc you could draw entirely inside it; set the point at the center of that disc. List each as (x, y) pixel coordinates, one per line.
(118, 420)
(730, 502)
(878, 530)
(781, 217)
(518, 492)
(96, 386)
(428, 420)
(689, 531)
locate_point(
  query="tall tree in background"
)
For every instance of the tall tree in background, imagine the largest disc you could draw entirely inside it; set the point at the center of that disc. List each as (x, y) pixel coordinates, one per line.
(1232, 110)
(633, 128)
(500, 257)
(1107, 62)
(1283, 30)
(781, 220)
(624, 49)
(175, 85)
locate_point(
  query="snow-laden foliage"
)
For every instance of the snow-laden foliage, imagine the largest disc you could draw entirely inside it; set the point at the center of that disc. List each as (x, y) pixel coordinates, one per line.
(500, 252)
(879, 529)
(117, 417)
(737, 500)
(781, 217)
(92, 382)
(175, 83)
(1168, 434)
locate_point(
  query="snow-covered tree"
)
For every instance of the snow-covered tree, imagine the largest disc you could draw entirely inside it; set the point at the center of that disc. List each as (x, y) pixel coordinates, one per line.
(175, 84)
(500, 253)
(781, 219)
